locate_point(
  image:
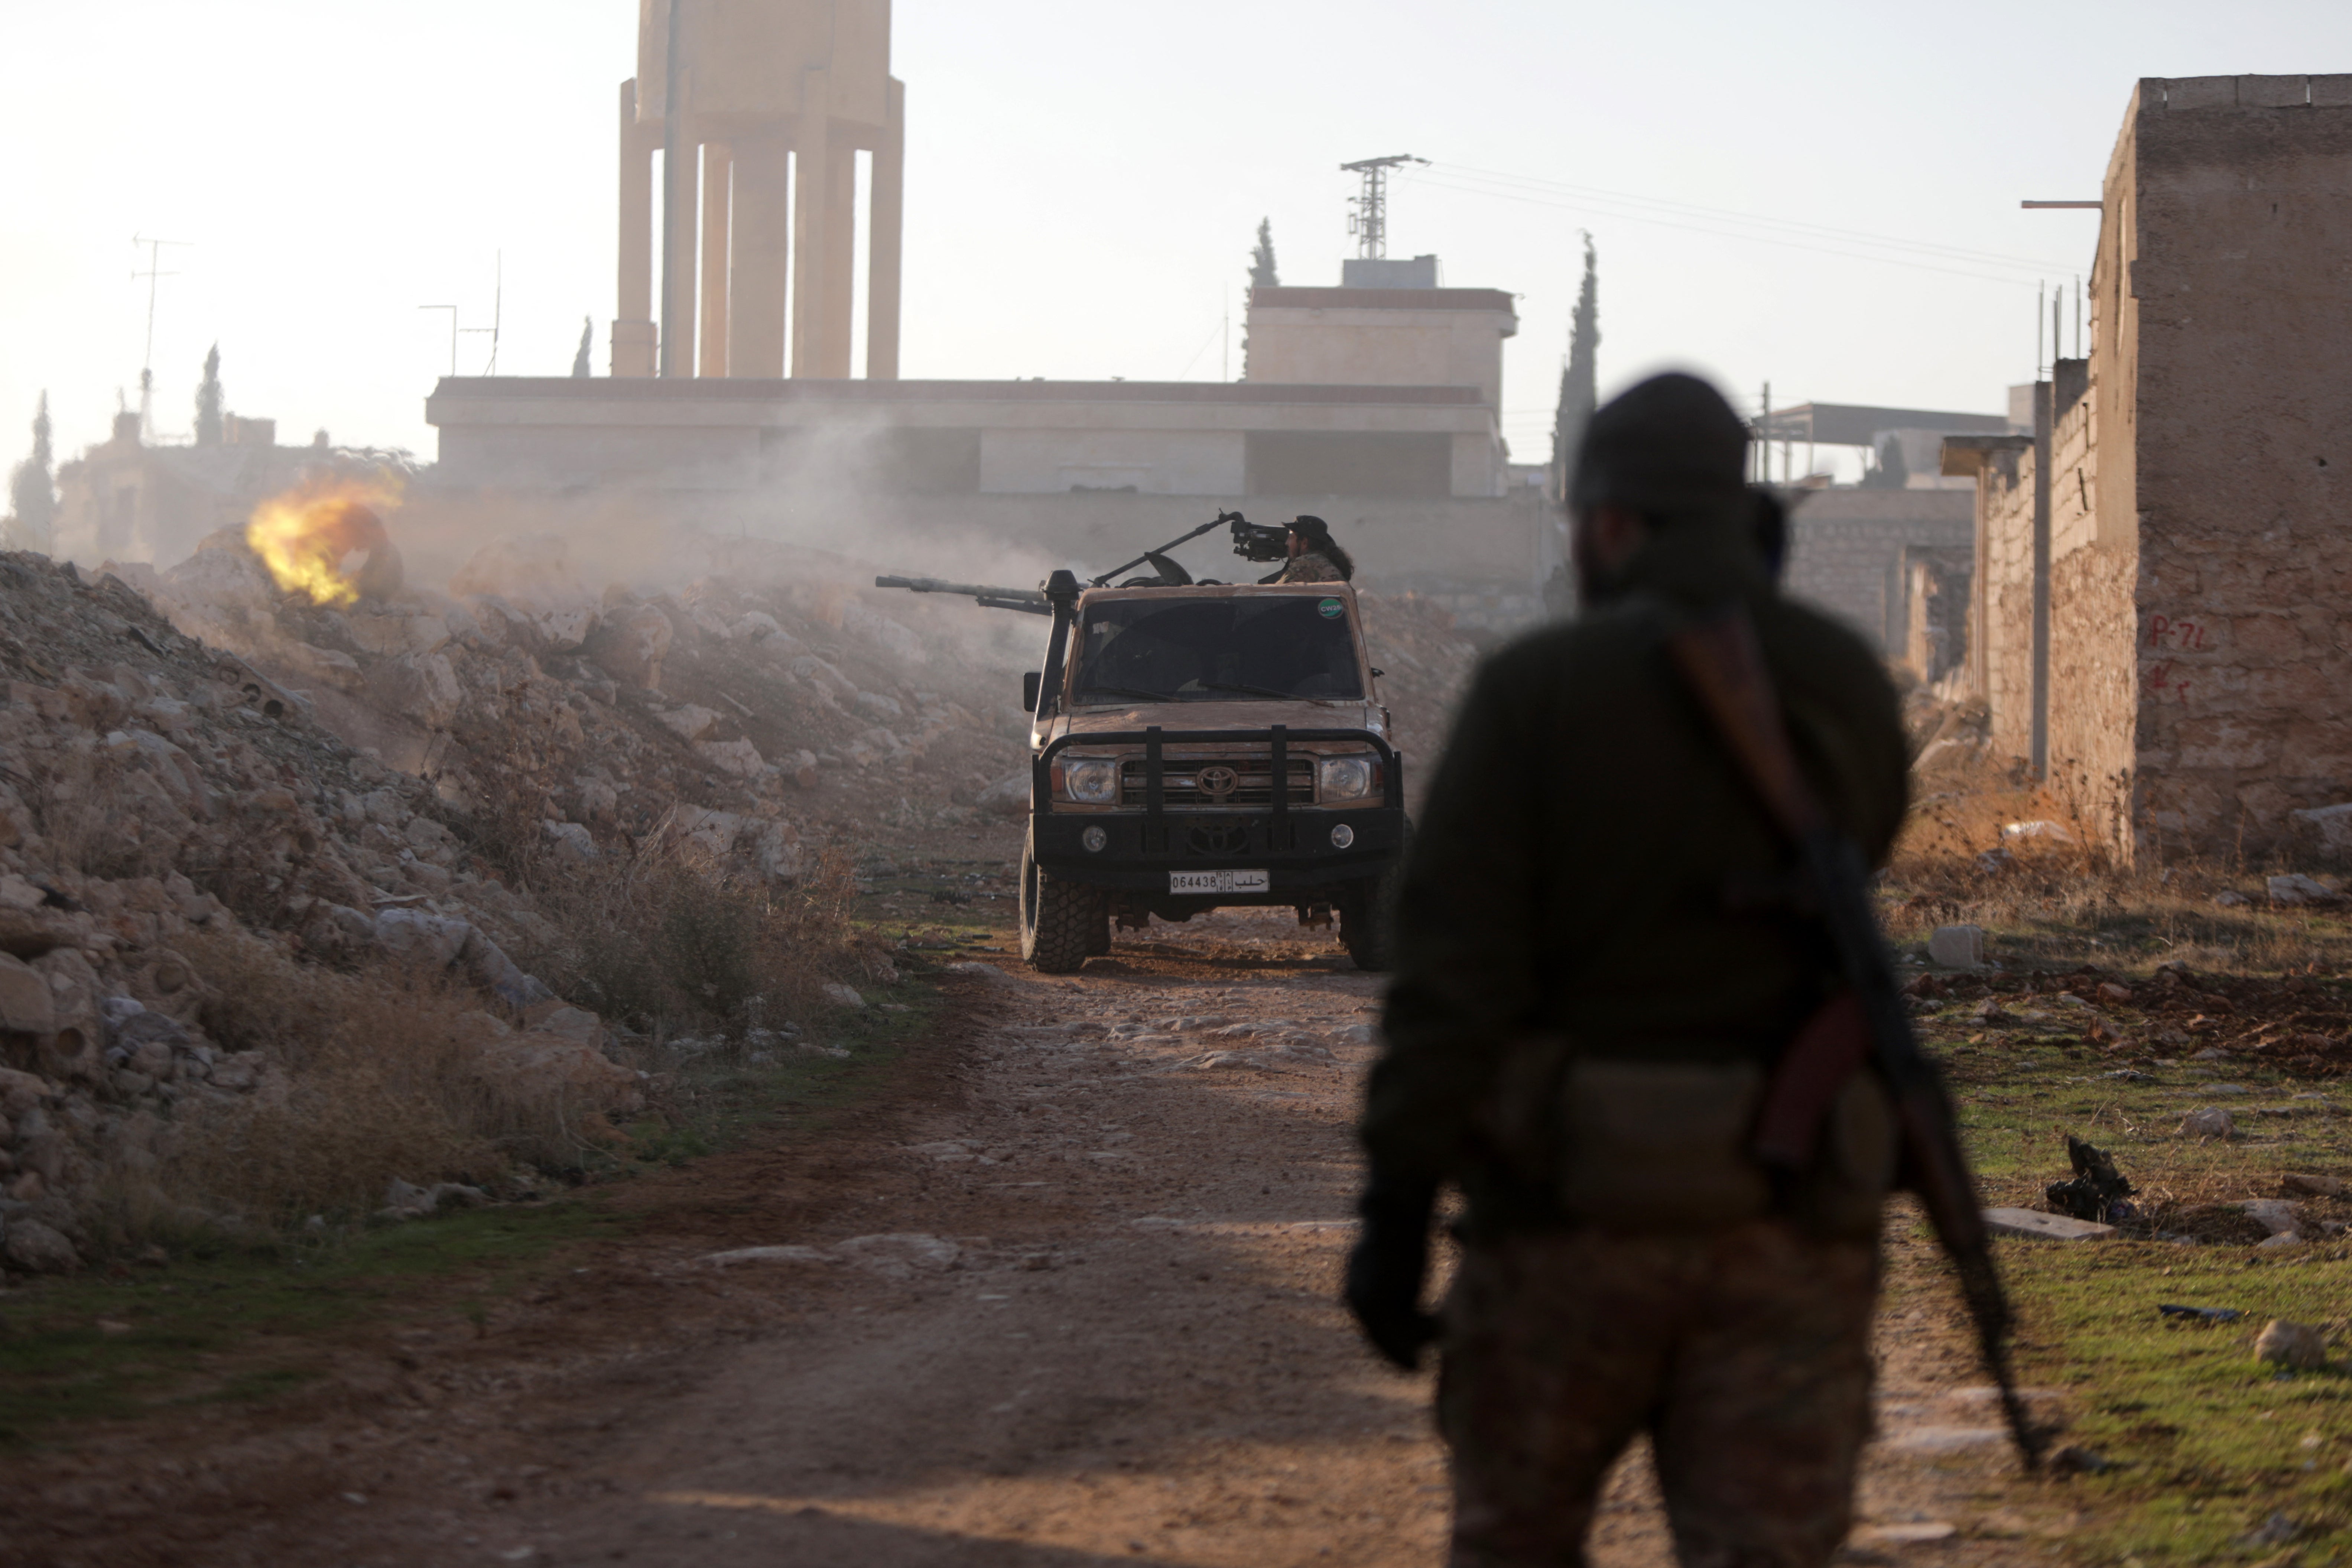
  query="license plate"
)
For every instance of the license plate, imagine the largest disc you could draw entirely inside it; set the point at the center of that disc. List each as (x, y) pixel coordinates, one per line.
(1217, 882)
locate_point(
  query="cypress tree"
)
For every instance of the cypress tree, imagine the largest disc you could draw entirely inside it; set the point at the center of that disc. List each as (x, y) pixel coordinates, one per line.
(208, 402)
(1261, 273)
(579, 360)
(31, 491)
(1579, 379)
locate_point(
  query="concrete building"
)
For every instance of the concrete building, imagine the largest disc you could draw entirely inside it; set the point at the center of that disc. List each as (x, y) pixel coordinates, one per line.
(761, 109)
(125, 500)
(1376, 408)
(1851, 549)
(1859, 551)
(1376, 405)
(2163, 559)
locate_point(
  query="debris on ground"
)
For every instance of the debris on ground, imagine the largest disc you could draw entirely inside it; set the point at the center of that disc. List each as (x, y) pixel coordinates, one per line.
(2032, 1224)
(1956, 947)
(2098, 1192)
(2209, 1122)
(2201, 1314)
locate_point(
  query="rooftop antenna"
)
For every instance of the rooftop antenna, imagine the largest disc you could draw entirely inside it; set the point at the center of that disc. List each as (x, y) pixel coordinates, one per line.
(1369, 220)
(498, 313)
(147, 358)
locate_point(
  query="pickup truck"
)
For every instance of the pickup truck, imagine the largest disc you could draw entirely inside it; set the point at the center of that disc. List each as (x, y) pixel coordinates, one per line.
(1202, 745)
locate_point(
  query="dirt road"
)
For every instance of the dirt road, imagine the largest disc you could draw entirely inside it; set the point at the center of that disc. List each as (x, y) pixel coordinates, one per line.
(1070, 1300)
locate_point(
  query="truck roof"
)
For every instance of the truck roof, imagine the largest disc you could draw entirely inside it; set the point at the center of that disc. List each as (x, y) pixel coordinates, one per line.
(1220, 591)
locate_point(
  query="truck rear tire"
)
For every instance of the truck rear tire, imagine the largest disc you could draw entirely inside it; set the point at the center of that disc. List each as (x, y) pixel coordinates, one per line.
(1062, 923)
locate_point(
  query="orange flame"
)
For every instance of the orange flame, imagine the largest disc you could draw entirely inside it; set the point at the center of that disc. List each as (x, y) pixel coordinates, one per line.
(305, 535)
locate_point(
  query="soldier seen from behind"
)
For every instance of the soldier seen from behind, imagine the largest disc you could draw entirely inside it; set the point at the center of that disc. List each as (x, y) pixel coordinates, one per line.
(1602, 951)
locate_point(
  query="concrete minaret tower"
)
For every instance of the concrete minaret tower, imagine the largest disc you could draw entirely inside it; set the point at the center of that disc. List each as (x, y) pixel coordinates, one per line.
(764, 106)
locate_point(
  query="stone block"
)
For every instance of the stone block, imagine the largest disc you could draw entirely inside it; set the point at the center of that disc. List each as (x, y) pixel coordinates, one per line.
(26, 1004)
(2273, 92)
(2297, 1347)
(2209, 1122)
(2316, 750)
(2187, 93)
(2331, 91)
(1956, 947)
(2032, 1224)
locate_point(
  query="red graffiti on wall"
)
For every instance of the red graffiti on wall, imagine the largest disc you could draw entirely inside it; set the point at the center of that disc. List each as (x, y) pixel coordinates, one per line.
(2188, 636)
(2160, 679)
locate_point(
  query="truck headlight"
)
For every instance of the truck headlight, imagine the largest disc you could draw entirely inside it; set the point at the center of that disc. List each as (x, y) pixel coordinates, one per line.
(1345, 778)
(1091, 781)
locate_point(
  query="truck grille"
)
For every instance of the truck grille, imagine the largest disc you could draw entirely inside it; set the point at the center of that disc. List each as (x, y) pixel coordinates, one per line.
(1209, 783)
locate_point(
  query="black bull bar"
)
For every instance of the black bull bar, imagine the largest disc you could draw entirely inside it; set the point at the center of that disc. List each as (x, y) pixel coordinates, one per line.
(1298, 859)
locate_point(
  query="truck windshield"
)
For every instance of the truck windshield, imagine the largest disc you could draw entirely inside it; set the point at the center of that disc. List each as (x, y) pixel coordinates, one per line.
(1175, 650)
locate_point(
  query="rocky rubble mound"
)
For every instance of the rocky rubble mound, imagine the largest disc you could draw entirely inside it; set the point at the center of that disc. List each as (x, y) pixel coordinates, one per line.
(158, 795)
(732, 711)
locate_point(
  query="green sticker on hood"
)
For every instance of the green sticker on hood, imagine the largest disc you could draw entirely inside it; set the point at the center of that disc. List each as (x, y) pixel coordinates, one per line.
(1332, 609)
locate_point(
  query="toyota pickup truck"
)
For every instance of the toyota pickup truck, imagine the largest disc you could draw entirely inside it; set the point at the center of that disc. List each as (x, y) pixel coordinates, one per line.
(1203, 745)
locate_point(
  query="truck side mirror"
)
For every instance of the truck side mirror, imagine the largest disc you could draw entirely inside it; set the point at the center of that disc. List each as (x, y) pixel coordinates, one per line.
(1031, 682)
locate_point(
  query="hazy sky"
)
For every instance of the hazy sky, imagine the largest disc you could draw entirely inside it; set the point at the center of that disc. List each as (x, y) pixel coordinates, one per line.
(1084, 182)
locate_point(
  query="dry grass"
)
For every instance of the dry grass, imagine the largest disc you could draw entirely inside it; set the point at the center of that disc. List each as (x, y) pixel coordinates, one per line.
(377, 1074)
(670, 941)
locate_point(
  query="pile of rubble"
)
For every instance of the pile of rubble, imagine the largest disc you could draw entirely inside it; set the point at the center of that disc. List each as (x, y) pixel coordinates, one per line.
(156, 793)
(198, 751)
(734, 712)
(1426, 662)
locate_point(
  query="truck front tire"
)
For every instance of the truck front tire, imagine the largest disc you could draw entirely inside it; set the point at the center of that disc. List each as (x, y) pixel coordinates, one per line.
(1062, 923)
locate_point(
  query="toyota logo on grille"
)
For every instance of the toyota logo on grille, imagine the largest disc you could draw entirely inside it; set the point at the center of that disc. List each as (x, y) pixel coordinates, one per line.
(1218, 782)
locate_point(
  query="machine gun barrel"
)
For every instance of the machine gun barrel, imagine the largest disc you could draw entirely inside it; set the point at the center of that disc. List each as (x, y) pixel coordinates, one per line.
(1029, 601)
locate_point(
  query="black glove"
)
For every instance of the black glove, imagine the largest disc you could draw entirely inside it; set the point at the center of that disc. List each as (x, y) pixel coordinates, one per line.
(1384, 1271)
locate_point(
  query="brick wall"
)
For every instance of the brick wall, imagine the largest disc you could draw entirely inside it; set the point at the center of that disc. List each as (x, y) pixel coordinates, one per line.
(2004, 617)
(1845, 552)
(2198, 551)
(2225, 258)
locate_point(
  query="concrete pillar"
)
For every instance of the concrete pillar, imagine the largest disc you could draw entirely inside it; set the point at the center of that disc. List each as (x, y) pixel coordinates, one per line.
(715, 186)
(632, 338)
(840, 259)
(812, 205)
(681, 222)
(761, 232)
(886, 225)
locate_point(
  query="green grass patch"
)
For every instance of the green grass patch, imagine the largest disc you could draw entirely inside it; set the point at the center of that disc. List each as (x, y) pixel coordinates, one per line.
(229, 1322)
(721, 1096)
(213, 1324)
(2209, 1445)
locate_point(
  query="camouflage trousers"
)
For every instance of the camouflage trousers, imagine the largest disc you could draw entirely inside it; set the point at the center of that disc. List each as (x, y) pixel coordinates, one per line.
(1744, 1354)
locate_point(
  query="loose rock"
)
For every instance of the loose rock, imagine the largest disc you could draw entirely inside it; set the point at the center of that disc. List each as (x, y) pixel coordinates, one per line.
(2209, 1122)
(2297, 1347)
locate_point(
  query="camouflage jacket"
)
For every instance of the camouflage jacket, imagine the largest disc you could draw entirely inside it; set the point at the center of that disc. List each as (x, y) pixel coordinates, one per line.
(1589, 863)
(1312, 567)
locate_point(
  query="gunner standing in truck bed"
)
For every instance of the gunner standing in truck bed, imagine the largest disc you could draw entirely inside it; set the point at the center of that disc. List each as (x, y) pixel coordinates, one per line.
(1314, 555)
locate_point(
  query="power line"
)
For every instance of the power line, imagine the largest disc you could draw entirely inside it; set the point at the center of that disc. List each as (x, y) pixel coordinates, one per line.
(1798, 225)
(1691, 219)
